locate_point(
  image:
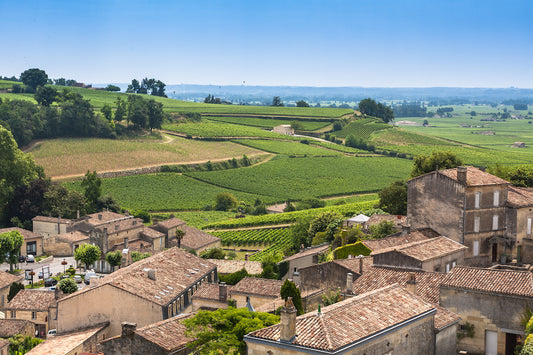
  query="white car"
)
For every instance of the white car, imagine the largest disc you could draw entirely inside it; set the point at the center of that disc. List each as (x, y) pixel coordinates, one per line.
(30, 259)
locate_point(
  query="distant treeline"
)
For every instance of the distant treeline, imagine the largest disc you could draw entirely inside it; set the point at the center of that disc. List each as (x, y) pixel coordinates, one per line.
(410, 110)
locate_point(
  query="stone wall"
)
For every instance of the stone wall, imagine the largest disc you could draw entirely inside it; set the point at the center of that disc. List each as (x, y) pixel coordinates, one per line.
(325, 275)
(56, 246)
(134, 344)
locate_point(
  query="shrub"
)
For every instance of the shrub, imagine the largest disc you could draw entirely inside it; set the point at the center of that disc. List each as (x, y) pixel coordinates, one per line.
(351, 249)
(68, 286)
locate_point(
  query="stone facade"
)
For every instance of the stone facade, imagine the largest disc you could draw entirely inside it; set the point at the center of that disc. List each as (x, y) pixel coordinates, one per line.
(330, 275)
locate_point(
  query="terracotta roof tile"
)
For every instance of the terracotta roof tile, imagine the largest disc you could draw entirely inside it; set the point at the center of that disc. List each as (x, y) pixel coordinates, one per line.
(139, 245)
(121, 225)
(424, 250)
(74, 236)
(11, 327)
(195, 238)
(168, 334)
(231, 266)
(445, 318)
(175, 269)
(378, 218)
(309, 251)
(210, 291)
(271, 306)
(51, 219)
(394, 240)
(348, 321)
(32, 300)
(152, 233)
(506, 282)
(353, 264)
(99, 218)
(519, 196)
(170, 223)
(25, 233)
(6, 279)
(475, 177)
(64, 343)
(259, 287)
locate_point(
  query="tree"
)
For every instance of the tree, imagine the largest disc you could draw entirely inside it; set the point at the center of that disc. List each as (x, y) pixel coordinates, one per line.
(137, 111)
(289, 289)
(21, 344)
(107, 112)
(10, 243)
(370, 107)
(93, 188)
(136, 256)
(179, 236)
(327, 222)
(45, 95)
(222, 331)
(34, 78)
(299, 233)
(26, 203)
(67, 286)
(382, 229)
(87, 254)
(441, 160)
(331, 297)
(302, 103)
(112, 88)
(297, 126)
(270, 266)
(225, 201)
(114, 258)
(213, 253)
(393, 199)
(59, 201)
(14, 289)
(60, 82)
(276, 101)
(121, 110)
(155, 114)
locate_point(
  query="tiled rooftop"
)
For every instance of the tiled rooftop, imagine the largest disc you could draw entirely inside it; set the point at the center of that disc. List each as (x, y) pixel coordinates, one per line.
(32, 300)
(231, 266)
(11, 327)
(139, 245)
(506, 282)
(121, 225)
(309, 251)
(175, 270)
(170, 223)
(354, 263)
(475, 177)
(75, 236)
(394, 240)
(519, 196)
(210, 291)
(425, 250)
(259, 287)
(25, 233)
(353, 319)
(51, 219)
(195, 238)
(6, 279)
(65, 343)
(99, 218)
(168, 334)
(152, 233)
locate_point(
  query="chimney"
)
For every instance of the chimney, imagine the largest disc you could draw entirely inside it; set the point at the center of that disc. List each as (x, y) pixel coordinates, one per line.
(461, 174)
(349, 283)
(360, 265)
(411, 283)
(126, 243)
(151, 274)
(247, 257)
(222, 292)
(288, 321)
(405, 230)
(99, 216)
(128, 328)
(104, 241)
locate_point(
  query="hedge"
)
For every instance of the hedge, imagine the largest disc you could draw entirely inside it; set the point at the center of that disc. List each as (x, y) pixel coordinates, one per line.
(351, 249)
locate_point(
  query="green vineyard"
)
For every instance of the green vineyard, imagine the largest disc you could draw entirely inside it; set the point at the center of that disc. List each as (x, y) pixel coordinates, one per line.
(362, 128)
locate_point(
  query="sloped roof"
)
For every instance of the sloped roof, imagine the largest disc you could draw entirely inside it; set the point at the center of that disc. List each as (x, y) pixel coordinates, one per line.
(170, 223)
(394, 240)
(168, 334)
(520, 196)
(121, 225)
(210, 291)
(353, 319)
(32, 300)
(139, 245)
(64, 343)
(353, 264)
(231, 266)
(475, 177)
(152, 233)
(424, 250)
(259, 287)
(196, 239)
(74, 236)
(51, 219)
(505, 282)
(11, 327)
(103, 217)
(309, 251)
(6, 279)
(398, 220)
(25, 233)
(175, 269)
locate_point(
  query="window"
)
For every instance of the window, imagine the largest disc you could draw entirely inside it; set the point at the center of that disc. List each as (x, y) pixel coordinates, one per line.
(454, 263)
(478, 198)
(447, 267)
(476, 224)
(13, 314)
(496, 198)
(475, 251)
(31, 248)
(33, 315)
(495, 222)
(529, 227)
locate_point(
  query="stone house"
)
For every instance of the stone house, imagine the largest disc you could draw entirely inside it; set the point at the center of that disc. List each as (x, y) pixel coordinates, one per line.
(438, 254)
(11, 327)
(197, 240)
(252, 292)
(66, 243)
(493, 301)
(157, 288)
(519, 216)
(50, 226)
(408, 327)
(6, 279)
(465, 204)
(225, 267)
(37, 306)
(4, 347)
(211, 296)
(168, 228)
(161, 338)
(33, 242)
(306, 257)
(284, 129)
(82, 341)
(397, 220)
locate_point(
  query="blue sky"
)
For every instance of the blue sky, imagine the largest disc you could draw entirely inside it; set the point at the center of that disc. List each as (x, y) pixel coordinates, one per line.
(313, 43)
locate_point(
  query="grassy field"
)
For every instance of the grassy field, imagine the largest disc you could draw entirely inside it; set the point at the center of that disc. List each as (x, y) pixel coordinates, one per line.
(300, 178)
(61, 157)
(220, 129)
(287, 148)
(268, 123)
(165, 192)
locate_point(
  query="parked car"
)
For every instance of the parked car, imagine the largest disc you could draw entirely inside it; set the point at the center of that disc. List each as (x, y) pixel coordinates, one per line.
(30, 259)
(78, 279)
(22, 258)
(52, 332)
(88, 276)
(50, 282)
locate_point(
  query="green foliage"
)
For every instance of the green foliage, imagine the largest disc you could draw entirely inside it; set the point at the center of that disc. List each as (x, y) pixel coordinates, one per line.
(382, 229)
(301, 103)
(355, 249)
(34, 78)
(393, 199)
(137, 256)
(114, 258)
(466, 330)
(233, 279)
(214, 130)
(289, 289)
(58, 201)
(222, 331)
(145, 216)
(371, 108)
(71, 271)
(225, 201)
(14, 289)
(283, 268)
(518, 176)
(20, 344)
(443, 160)
(112, 88)
(93, 189)
(331, 297)
(87, 254)
(68, 286)
(327, 222)
(277, 102)
(213, 253)
(269, 263)
(107, 112)
(10, 243)
(45, 95)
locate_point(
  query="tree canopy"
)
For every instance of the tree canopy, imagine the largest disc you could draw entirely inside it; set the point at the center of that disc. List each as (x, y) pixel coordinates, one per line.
(34, 78)
(225, 201)
(114, 258)
(10, 243)
(442, 160)
(393, 198)
(372, 108)
(289, 289)
(302, 103)
(276, 101)
(67, 286)
(87, 254)
(147, 86)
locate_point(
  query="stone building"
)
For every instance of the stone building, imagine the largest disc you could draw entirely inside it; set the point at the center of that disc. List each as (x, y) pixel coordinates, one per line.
(11, 327)
(407, 328)
(33, 242)
(466, 205)
(211, 296)
(193, 239)
(493, 302)
(519, 218)
(252, 292)
(156, 288)
(168, 228)
(161, 338)
(50, 226)
(284, 129)
(6, 279)
(306, 257)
